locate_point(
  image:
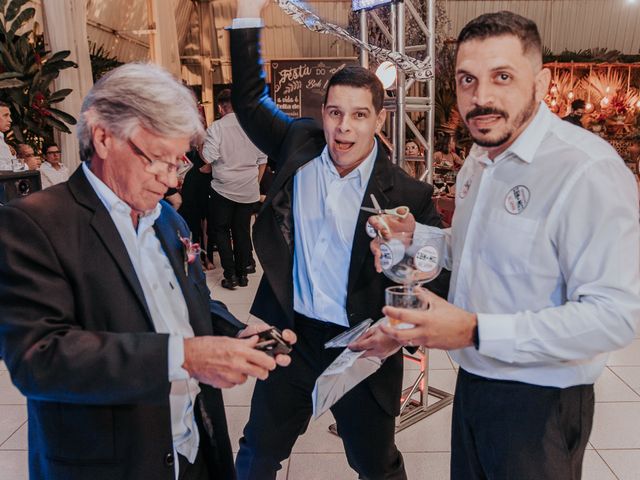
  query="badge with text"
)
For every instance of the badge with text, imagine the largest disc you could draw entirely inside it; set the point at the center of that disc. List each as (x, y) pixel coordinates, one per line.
(426, 259)
(517, 199)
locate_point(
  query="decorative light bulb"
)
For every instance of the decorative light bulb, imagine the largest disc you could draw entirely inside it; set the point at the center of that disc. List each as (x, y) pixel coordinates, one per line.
(605, 101)
(588, 107)
(570, 95)
(553, 102)
(387, 73)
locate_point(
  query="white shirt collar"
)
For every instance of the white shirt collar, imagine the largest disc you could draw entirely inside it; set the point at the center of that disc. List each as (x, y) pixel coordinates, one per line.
(362, 172)
(112, 202)
(527, 143)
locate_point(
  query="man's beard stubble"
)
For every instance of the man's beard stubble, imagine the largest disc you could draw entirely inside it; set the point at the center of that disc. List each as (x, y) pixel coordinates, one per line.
(523, 116)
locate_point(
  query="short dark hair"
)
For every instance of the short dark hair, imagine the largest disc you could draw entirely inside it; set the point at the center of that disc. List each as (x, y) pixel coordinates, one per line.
(576, 104)
(358, 77)
(503, 23)
(224, 97)
(4, 104)
(47, 146)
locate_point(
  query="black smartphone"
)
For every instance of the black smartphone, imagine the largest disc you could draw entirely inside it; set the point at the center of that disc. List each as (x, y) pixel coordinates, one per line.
(272, 343)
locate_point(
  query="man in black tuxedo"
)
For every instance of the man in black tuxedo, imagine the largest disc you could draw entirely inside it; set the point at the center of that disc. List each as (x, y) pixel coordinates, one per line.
(106, 325)
(319, 277)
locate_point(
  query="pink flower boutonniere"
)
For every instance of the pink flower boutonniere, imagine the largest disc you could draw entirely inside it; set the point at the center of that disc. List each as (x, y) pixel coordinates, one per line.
(190, 251)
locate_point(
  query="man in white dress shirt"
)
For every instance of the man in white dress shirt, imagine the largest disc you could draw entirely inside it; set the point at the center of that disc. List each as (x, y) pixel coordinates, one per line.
(236, 168)
(52, 170)
(5, 125)
(545, 266)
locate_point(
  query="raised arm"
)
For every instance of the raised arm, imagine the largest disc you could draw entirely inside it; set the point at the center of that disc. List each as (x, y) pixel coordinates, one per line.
(263, 122)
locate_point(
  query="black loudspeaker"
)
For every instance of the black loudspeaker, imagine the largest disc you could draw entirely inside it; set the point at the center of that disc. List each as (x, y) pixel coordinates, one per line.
(18, 184)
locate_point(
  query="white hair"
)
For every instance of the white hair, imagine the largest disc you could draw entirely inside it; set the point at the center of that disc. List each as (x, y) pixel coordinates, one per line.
(139, 95)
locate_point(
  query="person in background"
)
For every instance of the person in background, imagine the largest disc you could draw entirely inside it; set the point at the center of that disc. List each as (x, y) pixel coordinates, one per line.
(546, 266)
(577, 111)
(52, 170)
(6, 154)
(236, 167)
(26, 155)
(412, 149)
(195, 200)
(445, 155)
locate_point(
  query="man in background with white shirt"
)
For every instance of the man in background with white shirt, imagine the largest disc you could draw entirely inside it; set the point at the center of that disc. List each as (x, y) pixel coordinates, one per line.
(28, 157)
(237, 166)
(52, 170)
(107, 325)
(545, 266)
(5, 125)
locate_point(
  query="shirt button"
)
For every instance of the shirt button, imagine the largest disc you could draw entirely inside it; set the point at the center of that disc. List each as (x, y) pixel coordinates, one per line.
(169, 460)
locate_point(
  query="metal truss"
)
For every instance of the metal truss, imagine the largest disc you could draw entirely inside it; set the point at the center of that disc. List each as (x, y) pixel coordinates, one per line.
(401, 106)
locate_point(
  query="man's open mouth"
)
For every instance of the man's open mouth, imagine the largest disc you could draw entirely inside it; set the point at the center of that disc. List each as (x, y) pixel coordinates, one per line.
(343, 146)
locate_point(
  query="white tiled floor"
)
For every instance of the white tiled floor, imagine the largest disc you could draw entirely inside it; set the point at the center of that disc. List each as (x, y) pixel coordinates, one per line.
(613, 451)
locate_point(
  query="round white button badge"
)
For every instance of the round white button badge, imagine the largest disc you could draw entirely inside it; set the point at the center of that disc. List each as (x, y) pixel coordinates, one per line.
(517, 199)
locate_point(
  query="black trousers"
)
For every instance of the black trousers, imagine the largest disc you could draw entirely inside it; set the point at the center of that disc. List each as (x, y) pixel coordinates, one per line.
(281, 408)
(231, 219)
(504, 430)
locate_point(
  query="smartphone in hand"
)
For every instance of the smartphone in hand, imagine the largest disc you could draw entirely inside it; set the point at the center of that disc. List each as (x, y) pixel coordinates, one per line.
(272, 343)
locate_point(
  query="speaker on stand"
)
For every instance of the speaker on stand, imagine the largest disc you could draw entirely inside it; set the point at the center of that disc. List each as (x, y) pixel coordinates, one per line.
(18, 184)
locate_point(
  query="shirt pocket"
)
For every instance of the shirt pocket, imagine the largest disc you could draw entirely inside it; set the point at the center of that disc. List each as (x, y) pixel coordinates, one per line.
(508, 243)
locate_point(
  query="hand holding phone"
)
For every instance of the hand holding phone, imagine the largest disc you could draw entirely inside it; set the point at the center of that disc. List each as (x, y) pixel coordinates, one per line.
(272, 343)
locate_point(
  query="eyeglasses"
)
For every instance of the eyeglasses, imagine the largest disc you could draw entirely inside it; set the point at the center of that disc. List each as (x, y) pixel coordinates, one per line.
(53, 152)
(181, 166)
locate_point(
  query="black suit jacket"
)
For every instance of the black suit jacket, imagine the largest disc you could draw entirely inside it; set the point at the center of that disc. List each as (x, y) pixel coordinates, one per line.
(292, 143)
(78, 340)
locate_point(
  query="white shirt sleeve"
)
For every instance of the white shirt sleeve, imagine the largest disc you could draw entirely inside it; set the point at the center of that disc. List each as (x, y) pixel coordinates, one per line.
(44, 180)
(596, 234)
(211, 146)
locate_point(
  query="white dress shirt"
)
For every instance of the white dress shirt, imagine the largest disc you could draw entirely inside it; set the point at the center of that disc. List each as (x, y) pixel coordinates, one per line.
(167, 307)
(6, 156)
(234, 160)
(325, 212)
(50, 176)
(545, 245)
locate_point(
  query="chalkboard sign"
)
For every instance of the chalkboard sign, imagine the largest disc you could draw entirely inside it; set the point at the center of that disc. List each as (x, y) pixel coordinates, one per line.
(298, 85)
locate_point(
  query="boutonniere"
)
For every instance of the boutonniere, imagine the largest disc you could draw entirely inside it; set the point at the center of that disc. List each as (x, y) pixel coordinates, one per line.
(190, 251)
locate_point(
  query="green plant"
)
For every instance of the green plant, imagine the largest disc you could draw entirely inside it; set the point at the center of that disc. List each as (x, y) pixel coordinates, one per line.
(101, 61)
(26, 74)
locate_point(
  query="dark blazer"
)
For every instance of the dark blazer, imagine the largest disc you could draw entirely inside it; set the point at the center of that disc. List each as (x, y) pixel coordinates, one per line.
(292, 143)
(79, 342)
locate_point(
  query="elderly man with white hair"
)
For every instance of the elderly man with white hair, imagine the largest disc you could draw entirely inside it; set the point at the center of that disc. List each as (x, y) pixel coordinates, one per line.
(107, 326)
